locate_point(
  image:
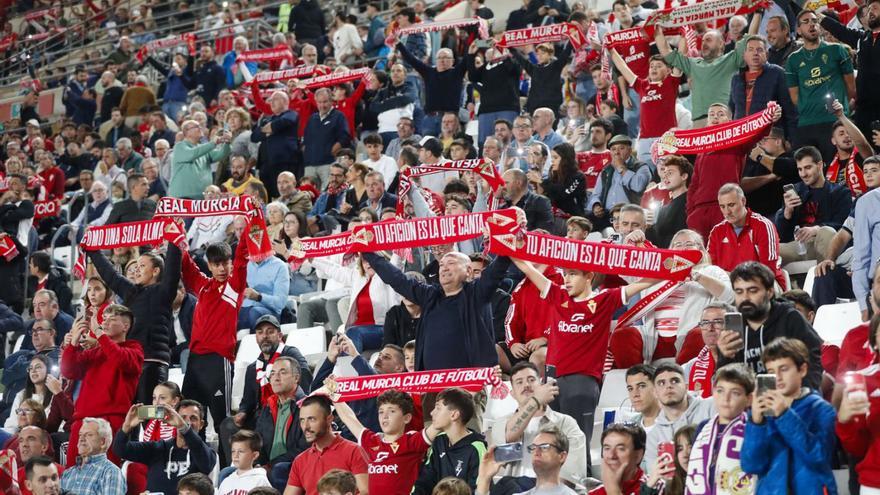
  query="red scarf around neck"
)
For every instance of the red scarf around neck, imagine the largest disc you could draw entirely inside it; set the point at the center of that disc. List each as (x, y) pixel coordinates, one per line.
(854, 176)
(700, 379)
(263, 375)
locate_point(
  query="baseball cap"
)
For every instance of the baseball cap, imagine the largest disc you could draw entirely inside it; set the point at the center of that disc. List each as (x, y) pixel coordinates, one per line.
(268, 319)
(33, 122)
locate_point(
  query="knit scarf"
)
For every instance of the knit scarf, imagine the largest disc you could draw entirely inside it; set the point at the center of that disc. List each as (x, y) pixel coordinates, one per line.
(544, 34)
(427, 27)
(696, 12)
(485, 168)
(728, 476)
(855, 179)
(346, 389)
(263, 375)
(716, 137)
(150, 232)
(188, 39)
(259, 246)
(8, 249)
(265, 55)
(598, 257)
(9, 466)
(337, 78)
(700, 379)
(46, 209)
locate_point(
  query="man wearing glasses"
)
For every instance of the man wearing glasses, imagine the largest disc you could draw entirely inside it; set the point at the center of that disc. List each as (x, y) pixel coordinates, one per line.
(700, 369)
(548, 452)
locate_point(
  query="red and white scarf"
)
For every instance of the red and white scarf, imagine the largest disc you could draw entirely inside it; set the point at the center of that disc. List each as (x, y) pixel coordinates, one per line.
(544, 34)
(485, 168)
(8, 249)
(317, 247)
(337, 78)
(700, 377)
(427, 27)
(288, 74)
(694, 13)
(265, 55)
(46, 209)
(157, 430)
(854, 176)
(716, 137)
(259, 246)
(188, 39)
(263, 375)
(346, 389)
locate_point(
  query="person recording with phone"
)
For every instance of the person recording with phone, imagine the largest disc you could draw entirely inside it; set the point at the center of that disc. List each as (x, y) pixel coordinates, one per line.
(167, 460)
(765, 318)
(789, 436)
(548, 453)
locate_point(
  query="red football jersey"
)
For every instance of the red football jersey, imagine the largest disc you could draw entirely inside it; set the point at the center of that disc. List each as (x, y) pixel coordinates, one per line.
(394, 467)
(657, 111)
(578, 341)
(591, 164)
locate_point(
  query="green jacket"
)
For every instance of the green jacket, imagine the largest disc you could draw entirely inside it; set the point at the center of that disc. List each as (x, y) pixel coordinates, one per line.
(711, 80)
(191, 168)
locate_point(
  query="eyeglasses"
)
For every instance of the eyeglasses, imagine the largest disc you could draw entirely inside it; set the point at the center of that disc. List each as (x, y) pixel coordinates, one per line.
(543, 447)
(21, 410)
(684, 245)
(40, 329)
(719, 323)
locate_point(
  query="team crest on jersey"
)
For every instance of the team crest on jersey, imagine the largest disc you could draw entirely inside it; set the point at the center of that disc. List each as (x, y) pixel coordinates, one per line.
(592, 306)
(394, 446)
(737, 482)
(824, 58)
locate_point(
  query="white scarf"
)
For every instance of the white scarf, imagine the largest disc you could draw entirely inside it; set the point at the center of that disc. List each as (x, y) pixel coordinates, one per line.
(728, 476)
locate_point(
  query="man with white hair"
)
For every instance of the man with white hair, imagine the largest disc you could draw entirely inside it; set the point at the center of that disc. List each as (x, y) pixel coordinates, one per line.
(542, 124)
(129, 159)
(163, 155)
(328, 133)
(443, 85)
(95, 214)
(191, 161)
(237, 73)
(279, 145)
(150, 168)
(93, 473)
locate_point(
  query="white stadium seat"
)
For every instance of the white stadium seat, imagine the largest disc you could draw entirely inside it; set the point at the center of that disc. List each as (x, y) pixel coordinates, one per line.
(834, 320)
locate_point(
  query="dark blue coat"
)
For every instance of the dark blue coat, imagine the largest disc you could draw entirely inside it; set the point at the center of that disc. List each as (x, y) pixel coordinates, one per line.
(834, 203)
(769, 86)
(320, 136)
(278, 151)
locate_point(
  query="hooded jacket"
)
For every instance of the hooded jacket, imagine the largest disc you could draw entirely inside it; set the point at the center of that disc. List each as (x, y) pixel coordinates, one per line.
(235, 483)
(461, 460)
(792, 453)
(698, 411)
(784, 321)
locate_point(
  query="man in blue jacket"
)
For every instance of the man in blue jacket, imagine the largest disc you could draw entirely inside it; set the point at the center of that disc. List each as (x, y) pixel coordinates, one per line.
(816, 208)
(327, 133)
(768, 84)
(279, 142)
(208, 79)
(789, 436)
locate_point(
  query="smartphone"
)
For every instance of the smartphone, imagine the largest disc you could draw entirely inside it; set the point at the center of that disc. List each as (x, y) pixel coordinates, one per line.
(483, 44)
(734, 321)
(875, 125)
(666, 448)
(829, 103)
(55, 371)
(616, 238)
(765, 382)
(151, 412)
(855, 385)
(549, 372)
(788, 188)
(509, 452)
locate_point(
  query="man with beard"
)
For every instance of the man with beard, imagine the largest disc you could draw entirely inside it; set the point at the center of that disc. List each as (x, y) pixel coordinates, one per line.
(209, 78)
(767, 319)
(390, 360)
(709, 74)
(257, 389)
(868, 58)
(517, 193)
(241, 176)
(850, 144)
(779, 37)
(769, 167)
(817, 74)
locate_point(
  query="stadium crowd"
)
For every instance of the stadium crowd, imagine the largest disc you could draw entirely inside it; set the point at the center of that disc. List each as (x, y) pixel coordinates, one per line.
(122, 382)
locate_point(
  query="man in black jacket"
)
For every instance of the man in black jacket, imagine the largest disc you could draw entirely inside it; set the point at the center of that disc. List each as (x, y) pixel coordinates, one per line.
(307, 22)
(257, 389)
(766, 319)
(209, 79)
(168, 460)
(282, 408)
(498, 84)
(769, 167)
(443, 84)
(149, 298)
(516, 192)
(278, 138)
(45, 276)
(137, 207)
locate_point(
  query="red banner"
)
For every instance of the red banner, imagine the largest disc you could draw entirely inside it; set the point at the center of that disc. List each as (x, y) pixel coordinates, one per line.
(345, 389)
(46, 209)
(544, 34)
(486, 169)
(318, 247)
(716, 137)
(598, 257)
(287, 74)
(188, 39)
(265, 55)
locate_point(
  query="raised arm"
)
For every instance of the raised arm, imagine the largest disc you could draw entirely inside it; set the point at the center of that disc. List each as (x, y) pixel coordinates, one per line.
(541, 282)
(117, 283)
(859, 140)
(347, 415)
(624, 69)
(403, 285)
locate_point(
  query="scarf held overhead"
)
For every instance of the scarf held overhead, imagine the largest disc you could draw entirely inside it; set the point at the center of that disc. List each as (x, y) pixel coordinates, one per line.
(287, 74)
(543, 34)
(188, 39)
(427, 27)
(701, 12)
(265, 55)
(716, 137)
(345, 389)
(337, 78)
(485, 168)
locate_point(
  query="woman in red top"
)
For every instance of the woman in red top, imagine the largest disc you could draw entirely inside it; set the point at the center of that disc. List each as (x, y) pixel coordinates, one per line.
(346, 101)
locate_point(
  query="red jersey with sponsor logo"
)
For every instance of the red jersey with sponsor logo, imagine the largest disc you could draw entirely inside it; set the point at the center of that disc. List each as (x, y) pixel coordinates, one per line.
(394, 467)
(578, 341)
(657, 111)
(591, 164)
(637, 56)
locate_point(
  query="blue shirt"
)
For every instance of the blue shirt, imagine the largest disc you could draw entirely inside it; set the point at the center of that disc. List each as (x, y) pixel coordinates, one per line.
(271, 278)
(93, 475)
(635, 181)
(866, 245)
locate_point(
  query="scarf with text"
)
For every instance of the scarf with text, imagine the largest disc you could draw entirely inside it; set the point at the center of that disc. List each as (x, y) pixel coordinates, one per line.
(188, 39)
(694, 13)
(708, 454)
(337, 78)
(485, 168)
(258, 242)
(346, 389)
(647, 304)
(427, 27)
(263, 371)
(156, 431)
(46, 209)
(593, 256)
(543, 34)
(287, 74)
(716, 137)
(854, 176)
(265, 55)
(146, 233)
(700, 377)
(317, 247)
(8, 249)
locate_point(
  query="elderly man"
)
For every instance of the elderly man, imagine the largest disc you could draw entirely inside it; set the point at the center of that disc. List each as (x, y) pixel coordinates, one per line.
(278, 138)
(46, 307)
(377, 198)
(295, 200)
(516, 192)
(191, 161)
(156, 189)
(492, 148)
(443, 85)
(710, 73)
(137, 207)
(328, 133)
(163, 155)
(406, 131)
(527, 424)
(93, 473)
(542, 125)
(129, 160)
(699, 370)
(622, 181)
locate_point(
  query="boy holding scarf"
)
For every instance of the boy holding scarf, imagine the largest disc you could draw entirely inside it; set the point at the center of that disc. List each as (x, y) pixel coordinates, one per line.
(714, 465)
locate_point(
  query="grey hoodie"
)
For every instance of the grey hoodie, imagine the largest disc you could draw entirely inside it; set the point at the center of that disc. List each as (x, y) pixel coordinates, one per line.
(698, 410)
